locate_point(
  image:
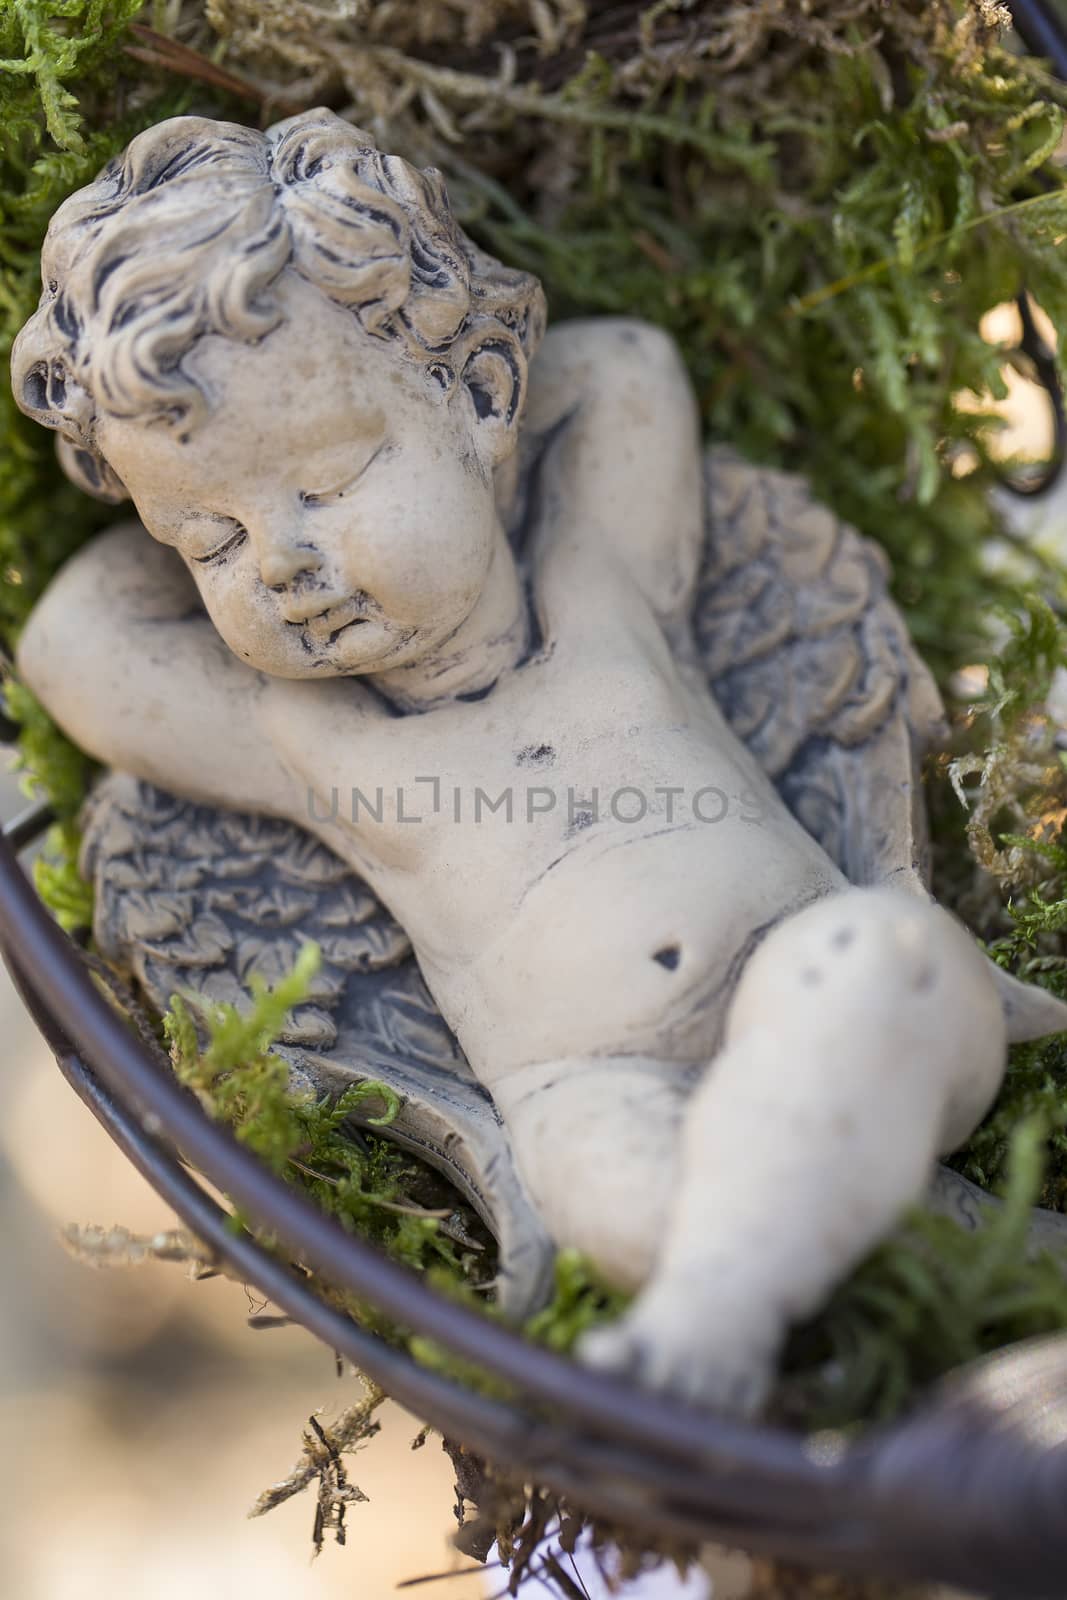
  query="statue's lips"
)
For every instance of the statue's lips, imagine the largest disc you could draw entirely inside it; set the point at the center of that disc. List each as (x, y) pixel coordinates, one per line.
(348, 613)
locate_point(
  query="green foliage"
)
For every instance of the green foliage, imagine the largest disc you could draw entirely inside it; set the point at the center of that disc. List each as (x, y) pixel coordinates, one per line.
(61, 64)
(1012, 780)
(825, 270)
(47, 48)
(935, 1296)
(59, 883)
(42, 516)
(367, 1183)
(52, 765)
(580, 1300)
(60, 73)
(1009, 770)
(56, 769)
(1035, 1088)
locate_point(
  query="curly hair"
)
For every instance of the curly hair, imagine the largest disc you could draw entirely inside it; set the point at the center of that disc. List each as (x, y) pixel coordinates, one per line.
(183, 236)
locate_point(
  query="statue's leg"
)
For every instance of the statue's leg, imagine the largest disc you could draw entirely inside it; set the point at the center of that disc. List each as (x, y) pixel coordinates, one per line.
(865, 1037)
(596, 1142)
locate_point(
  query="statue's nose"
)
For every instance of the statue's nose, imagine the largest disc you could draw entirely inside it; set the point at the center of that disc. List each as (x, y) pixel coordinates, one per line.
(281, 562)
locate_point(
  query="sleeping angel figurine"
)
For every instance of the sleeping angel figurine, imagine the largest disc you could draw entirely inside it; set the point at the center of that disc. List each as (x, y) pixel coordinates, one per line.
(589, 757)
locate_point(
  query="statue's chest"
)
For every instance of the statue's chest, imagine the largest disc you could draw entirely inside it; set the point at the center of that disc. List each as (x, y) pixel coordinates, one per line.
(574, 753)
(562, 727)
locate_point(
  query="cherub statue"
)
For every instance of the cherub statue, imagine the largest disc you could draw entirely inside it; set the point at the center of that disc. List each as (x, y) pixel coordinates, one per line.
(622, 735)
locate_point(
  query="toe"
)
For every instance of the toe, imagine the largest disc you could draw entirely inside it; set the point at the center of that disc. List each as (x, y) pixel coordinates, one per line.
(616, 1349)
(689, 1365)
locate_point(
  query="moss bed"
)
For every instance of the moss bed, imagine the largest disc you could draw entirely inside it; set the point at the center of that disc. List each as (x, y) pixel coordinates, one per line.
(820, 200)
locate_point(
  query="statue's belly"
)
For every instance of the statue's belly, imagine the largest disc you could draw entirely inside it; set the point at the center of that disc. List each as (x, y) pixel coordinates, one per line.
(631, 943)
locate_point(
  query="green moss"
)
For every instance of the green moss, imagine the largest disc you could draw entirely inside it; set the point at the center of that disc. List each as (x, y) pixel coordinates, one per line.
(57, 770)
(370, 1185)
(59, 84)
(828, 295)
(1002, 850)
(62, 73)
(930, 1299)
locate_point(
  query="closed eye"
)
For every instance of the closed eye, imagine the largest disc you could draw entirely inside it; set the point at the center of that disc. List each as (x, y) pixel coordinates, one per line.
(234, 535)
(325, 497)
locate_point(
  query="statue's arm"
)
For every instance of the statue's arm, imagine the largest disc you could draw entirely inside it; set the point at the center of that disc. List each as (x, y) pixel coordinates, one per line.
(624, 469)
(121, 654)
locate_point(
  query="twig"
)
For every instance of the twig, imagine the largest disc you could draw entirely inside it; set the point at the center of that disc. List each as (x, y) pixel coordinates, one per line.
(322, 1447)
(158, 50)
(457, 1572)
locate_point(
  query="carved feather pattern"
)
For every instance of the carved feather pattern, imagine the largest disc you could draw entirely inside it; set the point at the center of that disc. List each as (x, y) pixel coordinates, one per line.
(811, 664)
(189, 897)
(196, 898)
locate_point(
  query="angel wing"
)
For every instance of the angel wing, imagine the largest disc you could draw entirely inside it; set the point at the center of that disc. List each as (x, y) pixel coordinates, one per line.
(193, 898)
(812, 666)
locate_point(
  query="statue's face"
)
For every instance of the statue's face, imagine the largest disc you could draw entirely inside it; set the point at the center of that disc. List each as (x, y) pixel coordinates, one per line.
(336, 508)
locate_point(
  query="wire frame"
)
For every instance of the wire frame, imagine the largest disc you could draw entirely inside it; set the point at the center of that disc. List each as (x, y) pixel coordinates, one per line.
(970, 1491)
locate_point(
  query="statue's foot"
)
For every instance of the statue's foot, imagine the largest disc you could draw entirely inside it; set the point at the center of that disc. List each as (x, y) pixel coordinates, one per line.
(673, 1340)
